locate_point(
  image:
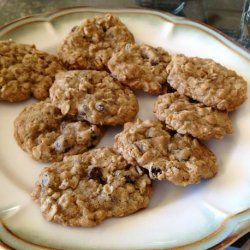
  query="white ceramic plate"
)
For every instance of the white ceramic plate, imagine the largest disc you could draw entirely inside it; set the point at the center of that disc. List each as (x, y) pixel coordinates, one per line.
(211, 214)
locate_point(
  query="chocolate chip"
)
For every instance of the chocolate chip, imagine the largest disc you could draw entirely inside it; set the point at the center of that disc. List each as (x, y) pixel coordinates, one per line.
(95, 173)
(155, 171)
(99, 106)
(93, 136)
(129, 179)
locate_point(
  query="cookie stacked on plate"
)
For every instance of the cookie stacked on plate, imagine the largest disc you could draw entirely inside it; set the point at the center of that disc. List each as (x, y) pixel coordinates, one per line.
(89, 86)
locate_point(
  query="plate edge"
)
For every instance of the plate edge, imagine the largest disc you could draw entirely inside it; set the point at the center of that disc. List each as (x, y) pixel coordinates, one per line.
(127, 8)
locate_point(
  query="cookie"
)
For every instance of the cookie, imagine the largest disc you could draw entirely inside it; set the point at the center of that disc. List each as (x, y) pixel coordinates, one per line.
(141, 67)
(207, 81)
(93, 96)
(25, 72)
(91, 44)
(48, 136)
(186, 117)
(180, 159)
(85, 189)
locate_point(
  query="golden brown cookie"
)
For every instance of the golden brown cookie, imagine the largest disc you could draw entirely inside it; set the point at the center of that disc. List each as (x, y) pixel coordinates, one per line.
(187, 117)
(91, 44)
(85, 189)
(141, 67)
(180, 159)
(25, 72)
(206, 81)
(48, 136)
(93, 96)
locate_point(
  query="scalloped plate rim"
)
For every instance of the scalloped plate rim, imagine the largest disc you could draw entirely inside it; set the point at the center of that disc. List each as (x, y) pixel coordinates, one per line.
(240, 218)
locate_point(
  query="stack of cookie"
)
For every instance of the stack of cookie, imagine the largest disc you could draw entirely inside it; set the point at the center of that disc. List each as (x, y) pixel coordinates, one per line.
(89, 86)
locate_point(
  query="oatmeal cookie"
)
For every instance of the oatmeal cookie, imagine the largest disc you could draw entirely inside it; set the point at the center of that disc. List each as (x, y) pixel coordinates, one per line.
(141, 67)
(25, 71)
(207, 81)
(48, 136)
(186, 117)
(91, 44)
(93, 96)
(85, 189)
(180, 159)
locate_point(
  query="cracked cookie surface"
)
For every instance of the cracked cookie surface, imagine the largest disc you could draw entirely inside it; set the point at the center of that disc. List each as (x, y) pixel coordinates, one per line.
(25, 71)
(186, 117)
(91, 44)
(141, 67)
(45, 134)
(206, 81)
(85, 189)
(93, 96)
(180, 159)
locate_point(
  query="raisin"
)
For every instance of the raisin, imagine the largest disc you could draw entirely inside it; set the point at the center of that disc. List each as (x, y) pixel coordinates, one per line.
(90, 145)
(141, 170)
(155, 171)
(96, 174)
(93, 136)
(155, 61)
(129, 179)
(128, 166)
(171, 132)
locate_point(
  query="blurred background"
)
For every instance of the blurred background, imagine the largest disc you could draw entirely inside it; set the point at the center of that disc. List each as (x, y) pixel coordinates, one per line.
(232, 17)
